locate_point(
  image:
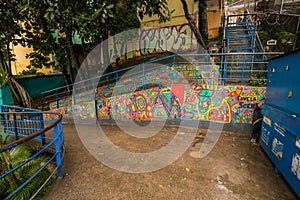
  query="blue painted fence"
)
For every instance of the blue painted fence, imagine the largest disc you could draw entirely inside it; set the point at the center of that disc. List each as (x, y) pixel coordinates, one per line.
(215, 62)
(36, 129)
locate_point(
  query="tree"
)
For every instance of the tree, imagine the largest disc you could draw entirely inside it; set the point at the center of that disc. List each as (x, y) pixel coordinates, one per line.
(65, 19)
(193, 25)
(11, 32)
(125, 18)
(202, 19)
(33, 23)
(93, 21)
(154, 7)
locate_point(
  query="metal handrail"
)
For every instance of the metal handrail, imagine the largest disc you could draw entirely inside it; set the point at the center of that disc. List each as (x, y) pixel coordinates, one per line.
(56, 141)
(257, 35)
(142, 70)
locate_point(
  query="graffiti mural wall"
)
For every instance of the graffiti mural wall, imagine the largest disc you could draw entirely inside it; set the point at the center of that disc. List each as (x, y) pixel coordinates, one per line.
(177, 38)
(173, 39)
(228, 104)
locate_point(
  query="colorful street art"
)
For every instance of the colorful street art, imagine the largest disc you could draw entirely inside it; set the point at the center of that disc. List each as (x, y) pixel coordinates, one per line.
(200, 98)
(150, 41)
(173, 38)
(228, 104)
(204, 76)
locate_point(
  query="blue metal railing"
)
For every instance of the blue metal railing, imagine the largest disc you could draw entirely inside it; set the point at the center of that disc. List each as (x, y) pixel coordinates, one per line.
(32, 128)
(140, 75)
(240, 37)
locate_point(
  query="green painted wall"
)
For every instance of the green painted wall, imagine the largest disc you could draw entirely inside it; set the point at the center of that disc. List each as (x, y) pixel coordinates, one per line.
(6, 96)
(34, 86)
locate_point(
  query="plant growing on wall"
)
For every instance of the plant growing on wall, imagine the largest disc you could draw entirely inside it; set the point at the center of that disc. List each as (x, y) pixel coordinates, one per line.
(257, 81)
(282, 29)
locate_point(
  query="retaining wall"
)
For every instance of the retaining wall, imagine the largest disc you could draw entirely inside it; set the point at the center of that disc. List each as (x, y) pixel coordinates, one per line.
(227, 104)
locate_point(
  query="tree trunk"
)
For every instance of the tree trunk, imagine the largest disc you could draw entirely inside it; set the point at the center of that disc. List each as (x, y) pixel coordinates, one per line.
(202, 21)
(71, 48)
(70, 79)
(67, 76)
(83, 47)
(193, 25)
(2, 61)
(105, 52)
(8, 59)
(115, 54)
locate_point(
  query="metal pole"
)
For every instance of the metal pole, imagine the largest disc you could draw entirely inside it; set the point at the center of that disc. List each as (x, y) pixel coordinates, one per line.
(281, 6)
(116, 84)
(56, 98)
(15, 126)
(58, 144)
(143, 79)
(296, 34)
(42, 126)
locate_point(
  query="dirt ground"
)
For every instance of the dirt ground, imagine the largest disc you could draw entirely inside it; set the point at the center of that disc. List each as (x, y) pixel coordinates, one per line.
(234, 169)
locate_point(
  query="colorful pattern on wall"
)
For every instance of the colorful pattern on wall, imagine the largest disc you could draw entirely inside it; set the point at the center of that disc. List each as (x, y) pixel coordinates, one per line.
(228, 104)
(204, 76)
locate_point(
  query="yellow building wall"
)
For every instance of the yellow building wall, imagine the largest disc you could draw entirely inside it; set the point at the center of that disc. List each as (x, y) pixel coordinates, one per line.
(22, 62)
(214, 14)
(178, 17)
(213, 23)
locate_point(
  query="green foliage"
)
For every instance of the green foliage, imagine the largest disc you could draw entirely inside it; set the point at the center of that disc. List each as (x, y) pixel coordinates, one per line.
(31, 71)
(286, 40)
(10, 16)
(4, 77)
(230, 2)
(257, 81)
(124, 17)
(33, 24)
(12, 31)
(154, 7)
(13, 158)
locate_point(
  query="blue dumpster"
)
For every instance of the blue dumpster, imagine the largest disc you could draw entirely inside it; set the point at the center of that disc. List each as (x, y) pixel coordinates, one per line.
(280, 133)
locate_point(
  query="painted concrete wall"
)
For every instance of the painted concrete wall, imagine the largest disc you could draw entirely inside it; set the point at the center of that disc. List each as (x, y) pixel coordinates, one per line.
(200, 98)
(214, 13)
(228, 104)
(214, 23)
(175, 38)
(178, 17)
(6, 96)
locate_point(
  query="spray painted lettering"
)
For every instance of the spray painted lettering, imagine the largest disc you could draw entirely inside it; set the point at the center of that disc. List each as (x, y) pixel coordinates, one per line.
(176, 38)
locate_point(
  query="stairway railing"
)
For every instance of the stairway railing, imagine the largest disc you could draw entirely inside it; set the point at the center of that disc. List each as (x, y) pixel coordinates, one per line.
(244, 27)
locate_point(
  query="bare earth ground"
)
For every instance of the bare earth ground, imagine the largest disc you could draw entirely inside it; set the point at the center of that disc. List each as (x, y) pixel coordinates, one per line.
(234, 169)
